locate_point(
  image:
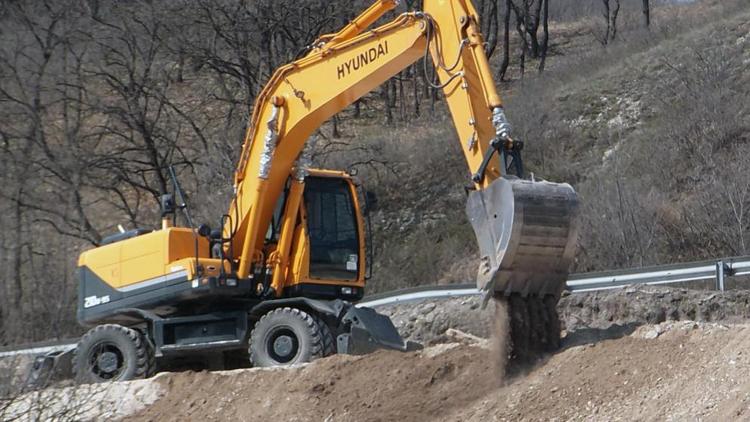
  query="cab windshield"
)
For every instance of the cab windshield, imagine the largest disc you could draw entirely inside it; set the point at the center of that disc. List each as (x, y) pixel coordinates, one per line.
(332, 228)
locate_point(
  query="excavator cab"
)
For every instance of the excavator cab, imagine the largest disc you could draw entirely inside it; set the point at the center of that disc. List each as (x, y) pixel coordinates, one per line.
(327, 254)
(332, 229)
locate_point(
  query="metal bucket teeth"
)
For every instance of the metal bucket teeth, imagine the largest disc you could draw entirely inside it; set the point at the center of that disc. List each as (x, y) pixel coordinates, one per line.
(527, 234)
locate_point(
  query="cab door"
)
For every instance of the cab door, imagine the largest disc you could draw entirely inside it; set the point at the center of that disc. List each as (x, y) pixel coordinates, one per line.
(332, 228)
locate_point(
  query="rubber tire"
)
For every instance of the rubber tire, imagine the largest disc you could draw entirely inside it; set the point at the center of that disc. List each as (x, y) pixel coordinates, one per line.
(138, 358)
(312, 340)
(151, 367)
(329, 343)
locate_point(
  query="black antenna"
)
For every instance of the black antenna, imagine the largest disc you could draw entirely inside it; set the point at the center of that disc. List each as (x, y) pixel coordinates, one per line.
(180, 197)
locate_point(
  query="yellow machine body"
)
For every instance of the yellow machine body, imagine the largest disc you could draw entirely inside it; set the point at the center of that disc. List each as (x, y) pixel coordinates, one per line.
(294, 232)
(146, 258)
(149, 271)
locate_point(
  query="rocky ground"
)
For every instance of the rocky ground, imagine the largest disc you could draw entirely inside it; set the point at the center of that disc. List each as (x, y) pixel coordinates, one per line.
(636, 353)
(426, 322)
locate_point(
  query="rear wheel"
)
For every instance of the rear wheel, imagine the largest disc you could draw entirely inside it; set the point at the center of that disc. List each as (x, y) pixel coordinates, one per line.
(112, 353)
(329, 344)
(286, 336)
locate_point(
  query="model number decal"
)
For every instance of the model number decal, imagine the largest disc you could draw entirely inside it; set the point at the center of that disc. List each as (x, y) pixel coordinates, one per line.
(90, 301)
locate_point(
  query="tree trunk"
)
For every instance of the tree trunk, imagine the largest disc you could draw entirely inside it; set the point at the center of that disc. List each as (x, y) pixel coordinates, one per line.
(615, 12)
(506, 41)
(18, 250)
(545, 35)
(386, 93)
(646, 14)
(402, 96)
(605, 38)
(532, 27)
(491, 30)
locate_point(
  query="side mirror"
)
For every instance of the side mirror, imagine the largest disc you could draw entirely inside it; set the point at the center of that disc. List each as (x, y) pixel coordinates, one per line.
(204, 230)
(167, 204)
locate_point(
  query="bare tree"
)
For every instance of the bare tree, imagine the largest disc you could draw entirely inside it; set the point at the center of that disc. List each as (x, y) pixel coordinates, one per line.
(45, 136)
(506, 40)
(528, 17)
(610, 13)
(545, 36)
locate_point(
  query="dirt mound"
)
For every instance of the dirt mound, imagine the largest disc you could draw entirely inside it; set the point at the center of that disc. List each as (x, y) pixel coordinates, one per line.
(689, 371)
(383, 386)
(674, 371)
(427, 321)
(623, 357)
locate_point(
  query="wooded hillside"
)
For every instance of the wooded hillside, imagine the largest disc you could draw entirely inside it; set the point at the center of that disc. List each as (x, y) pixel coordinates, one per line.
(643, 106)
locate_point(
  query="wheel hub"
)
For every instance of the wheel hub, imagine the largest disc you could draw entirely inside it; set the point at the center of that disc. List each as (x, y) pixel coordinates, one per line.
(107, 362)
(283, 346)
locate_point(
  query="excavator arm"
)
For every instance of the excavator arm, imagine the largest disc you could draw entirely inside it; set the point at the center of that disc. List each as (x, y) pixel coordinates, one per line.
(511, 217)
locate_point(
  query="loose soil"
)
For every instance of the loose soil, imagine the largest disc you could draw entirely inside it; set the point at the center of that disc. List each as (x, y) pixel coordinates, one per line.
(632, 354)
(671, 371)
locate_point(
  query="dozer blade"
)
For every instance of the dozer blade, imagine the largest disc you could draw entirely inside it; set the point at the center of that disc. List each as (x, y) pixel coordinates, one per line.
(369, 331)
(527, 233)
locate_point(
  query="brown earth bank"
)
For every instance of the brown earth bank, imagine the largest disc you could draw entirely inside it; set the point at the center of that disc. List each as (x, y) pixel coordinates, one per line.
(625, 357)
(638, 353)
(670, 371)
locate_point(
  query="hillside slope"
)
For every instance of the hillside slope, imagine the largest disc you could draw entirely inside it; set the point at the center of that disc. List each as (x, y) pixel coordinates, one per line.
(652, 131)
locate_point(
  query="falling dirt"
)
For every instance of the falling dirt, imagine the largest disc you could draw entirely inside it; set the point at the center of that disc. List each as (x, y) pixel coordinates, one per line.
(500, 339)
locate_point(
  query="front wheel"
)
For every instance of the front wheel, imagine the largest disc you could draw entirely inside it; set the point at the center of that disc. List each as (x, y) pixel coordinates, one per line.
(112, 353)
(286, 336)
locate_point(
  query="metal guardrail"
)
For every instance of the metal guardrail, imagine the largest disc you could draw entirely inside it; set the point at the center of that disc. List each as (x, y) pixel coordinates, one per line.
(39, 348)
(717, 270)
(590, 282)
(413, 294)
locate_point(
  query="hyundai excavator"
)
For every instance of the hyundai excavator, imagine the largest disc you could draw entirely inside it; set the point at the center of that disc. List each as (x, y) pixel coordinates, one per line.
(279, 278)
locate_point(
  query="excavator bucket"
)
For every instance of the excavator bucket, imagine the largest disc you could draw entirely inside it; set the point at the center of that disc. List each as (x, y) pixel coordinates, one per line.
(527, 236)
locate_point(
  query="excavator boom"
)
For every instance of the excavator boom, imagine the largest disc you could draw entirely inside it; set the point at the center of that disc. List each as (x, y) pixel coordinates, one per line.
(525, 230)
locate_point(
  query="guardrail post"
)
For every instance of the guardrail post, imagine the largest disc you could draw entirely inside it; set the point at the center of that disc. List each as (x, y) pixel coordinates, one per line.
(720, 276)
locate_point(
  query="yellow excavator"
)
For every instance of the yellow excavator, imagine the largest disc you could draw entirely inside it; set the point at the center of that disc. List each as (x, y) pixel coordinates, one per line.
(279, 278)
